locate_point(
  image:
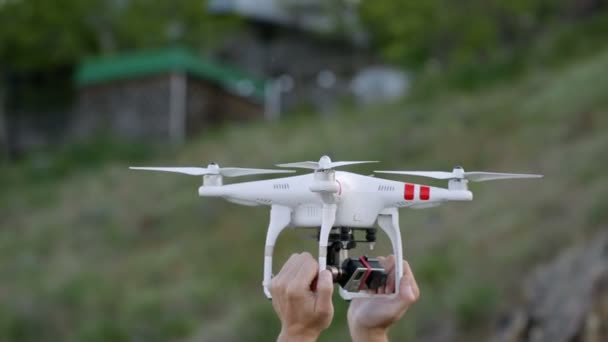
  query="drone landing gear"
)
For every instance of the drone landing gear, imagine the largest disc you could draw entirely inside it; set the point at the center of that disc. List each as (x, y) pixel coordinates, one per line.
(388, 221)
(279, 219)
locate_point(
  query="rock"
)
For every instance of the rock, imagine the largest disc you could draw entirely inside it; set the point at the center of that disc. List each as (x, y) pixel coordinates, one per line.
(565, 300)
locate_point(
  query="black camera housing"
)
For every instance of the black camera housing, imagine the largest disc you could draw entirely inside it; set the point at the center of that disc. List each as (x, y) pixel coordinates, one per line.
(363, 273)
(353, 274)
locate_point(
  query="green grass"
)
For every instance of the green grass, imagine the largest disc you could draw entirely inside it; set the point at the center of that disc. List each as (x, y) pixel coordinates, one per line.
(102, 253)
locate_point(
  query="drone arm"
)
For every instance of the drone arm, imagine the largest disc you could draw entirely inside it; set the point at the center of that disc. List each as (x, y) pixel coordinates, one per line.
(280, 217)
(420, 196)
(455, 194)
(212, 191)
(245, 193)
(388, 220)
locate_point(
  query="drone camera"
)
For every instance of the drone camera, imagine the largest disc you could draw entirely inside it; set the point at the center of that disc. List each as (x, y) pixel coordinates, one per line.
(353, 274)
(357, 274)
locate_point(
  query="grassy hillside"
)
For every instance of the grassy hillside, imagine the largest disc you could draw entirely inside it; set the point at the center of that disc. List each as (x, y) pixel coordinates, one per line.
(108, 254)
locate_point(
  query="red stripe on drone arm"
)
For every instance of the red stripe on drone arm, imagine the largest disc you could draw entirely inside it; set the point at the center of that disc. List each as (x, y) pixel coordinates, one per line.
(409, 192)
(367, 272)
(425, 193)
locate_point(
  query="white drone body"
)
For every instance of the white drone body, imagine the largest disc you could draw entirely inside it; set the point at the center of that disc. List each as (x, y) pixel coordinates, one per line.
(327, 198)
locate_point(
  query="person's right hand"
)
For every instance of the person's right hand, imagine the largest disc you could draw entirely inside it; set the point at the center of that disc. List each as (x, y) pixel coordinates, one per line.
(370, 318)
(304, 311)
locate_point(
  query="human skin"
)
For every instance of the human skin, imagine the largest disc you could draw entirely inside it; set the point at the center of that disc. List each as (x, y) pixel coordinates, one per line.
(304, 312)
(370, 318)
(304, 305)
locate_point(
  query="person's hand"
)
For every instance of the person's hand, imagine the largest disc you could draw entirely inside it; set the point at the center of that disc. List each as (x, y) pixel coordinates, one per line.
(304, 313)
(370, 318)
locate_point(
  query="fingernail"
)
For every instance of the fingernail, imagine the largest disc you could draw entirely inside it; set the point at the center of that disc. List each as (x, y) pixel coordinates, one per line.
(410, 292)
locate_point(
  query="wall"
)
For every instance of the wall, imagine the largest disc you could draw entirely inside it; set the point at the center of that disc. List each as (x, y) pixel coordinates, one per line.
(208, 104)
(139, 109)
(133, 109)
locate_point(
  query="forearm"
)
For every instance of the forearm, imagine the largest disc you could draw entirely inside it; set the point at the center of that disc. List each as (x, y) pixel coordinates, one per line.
(368, 335)
(287, 337)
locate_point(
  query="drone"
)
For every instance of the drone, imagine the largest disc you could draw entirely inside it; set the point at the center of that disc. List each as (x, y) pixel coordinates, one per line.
(337, 204)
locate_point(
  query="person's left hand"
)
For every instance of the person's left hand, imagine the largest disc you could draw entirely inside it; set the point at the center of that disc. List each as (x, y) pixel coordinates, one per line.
(370, 318)
(304, 313)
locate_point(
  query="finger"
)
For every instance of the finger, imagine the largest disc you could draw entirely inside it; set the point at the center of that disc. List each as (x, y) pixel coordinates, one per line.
(297, 263)
(390, 284)
(276, 290)
(307, 272)
(325, 290)
(288, 267)
(406, 292)
(390, 270)
(407, 270)
(380, 290)
(289, 271)
(397, 306)
(278, 283)
(381, 260)
(388, 262)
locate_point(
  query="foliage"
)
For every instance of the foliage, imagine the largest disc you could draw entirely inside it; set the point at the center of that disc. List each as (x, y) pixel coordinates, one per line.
(442, 33)
(434, 269)
(475, 304)
(37, 34)
(53, 165)
(102, 253)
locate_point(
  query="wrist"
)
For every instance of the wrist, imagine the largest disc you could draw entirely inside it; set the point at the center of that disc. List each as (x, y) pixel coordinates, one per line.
(299, 336)
(360, 334)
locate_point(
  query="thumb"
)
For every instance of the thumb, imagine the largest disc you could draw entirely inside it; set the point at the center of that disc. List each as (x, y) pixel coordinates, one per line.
(325, 290)
(406, 291)
(404, 299)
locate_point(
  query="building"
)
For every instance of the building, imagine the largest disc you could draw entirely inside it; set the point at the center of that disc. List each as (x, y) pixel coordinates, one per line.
(317, 46)
(162, 95)
(318, 16)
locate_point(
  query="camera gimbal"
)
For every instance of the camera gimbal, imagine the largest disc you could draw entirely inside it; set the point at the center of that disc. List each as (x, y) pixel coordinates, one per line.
(353, 274)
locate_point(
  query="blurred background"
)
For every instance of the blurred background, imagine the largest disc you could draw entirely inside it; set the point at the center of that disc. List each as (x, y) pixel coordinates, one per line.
(92, 252)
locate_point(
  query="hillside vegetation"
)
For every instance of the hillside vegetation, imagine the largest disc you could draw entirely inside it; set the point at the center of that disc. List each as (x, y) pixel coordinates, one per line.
(104, 253)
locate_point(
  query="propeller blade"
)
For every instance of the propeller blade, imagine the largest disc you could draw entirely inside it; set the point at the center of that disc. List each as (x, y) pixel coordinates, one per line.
(313, 165)
(193, 171)
(478, 176)
(224, 171)
(429, 174)
(475, 176)
(344, 163)
(238, 171)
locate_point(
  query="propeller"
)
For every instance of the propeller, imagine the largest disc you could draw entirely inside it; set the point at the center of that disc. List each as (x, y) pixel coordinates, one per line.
(324, 163)
(212, 169)
(459, 173)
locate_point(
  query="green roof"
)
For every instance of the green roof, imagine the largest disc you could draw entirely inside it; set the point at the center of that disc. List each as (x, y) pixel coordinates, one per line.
(146, 63)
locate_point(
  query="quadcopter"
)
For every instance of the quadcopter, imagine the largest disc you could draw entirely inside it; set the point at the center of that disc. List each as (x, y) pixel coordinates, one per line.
(338, 204)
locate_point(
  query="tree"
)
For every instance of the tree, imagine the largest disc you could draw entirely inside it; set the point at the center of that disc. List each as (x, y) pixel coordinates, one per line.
(463, 32)
(4, 153)
(38, 34)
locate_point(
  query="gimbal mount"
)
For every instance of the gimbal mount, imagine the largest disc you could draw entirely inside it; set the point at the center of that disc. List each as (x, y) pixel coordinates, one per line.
(353, 274)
